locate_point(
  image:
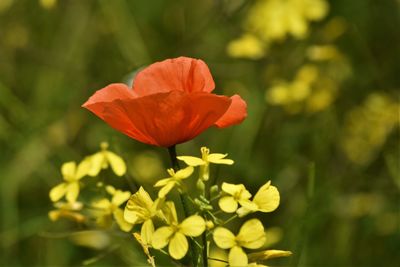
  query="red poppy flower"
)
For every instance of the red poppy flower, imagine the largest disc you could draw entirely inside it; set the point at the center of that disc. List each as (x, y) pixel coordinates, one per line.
(170, 102)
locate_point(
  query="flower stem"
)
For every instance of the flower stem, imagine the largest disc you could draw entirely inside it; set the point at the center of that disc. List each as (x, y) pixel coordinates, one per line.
(205, 256)
(172, 156)
(184, 200)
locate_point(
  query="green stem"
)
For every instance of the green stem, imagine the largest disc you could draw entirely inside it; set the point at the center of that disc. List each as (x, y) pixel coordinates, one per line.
(230, 219)
(205, 256)
(184, 200)
(172, 156)
(214, 259)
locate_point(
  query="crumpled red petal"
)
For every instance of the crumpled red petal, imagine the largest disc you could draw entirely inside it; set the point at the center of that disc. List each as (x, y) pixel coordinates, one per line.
(164, 119)
(182, 74)
(235, 114)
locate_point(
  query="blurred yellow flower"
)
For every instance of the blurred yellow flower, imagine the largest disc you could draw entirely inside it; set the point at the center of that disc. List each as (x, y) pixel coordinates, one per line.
(205, 160)
(269, 254)
(275, 19)
(323, 52)
(141, 209)
(237, 194)
(93, 239)
(69, 210)
(368, 126)
(175, 179)
(312, 90)
(48, 4)
(174, 235)
(251, 235)
(103, 159)
(266, 200)
(107, 209)
(70, 187)
(247, 46)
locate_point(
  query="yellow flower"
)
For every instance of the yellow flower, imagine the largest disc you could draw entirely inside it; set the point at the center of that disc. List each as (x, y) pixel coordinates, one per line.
(175, 178)
(266, 200)
(275, 19)
(205, 160)
(48, 4)
(251, 235)
(247, 46)
(67, 210)
(70, 187)
(174, 235)
(108, 209)
(141, 209)
(238, 194)
(103, 159)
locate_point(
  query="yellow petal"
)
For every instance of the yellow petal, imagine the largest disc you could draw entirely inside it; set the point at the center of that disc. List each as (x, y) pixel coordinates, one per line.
(170, 212)
(165, 190)
(224, 238)
(83, 169)
(244, 194)
(57, 192)
(178, 246)
(110, 189)
(68, 170)
(72, 192)
(163, 182)
(242, 211)
(228, 204)
(193, 226)
(119, 218)
(161, 237)
(147, 231)
(232, 189)
(120, 197)
(251, 234)
(218, 158)
(139, 207)
(191, 161)
(247, 204)
(267, 198)
(145, 198)
(102, 204)
(96, 165)
(131, 216)
(237, 257)
(184, 173)
(117, 163)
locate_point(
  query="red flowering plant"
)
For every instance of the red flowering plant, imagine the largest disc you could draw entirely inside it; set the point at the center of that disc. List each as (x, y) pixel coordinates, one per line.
(171, 102)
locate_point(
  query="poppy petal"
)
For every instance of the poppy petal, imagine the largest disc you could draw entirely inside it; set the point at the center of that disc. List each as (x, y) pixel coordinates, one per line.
(165, 119)
(180, 74)
(107, 94)
(235, 114)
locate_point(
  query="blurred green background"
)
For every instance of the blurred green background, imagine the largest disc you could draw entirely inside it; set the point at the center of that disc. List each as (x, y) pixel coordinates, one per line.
(322, 85)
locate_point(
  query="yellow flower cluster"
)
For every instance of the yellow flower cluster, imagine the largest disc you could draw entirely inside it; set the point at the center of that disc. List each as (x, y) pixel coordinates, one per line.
(315, 84)
(141, 209)
(160, 225)
(274, 20)
(368, 126)
(70, 188)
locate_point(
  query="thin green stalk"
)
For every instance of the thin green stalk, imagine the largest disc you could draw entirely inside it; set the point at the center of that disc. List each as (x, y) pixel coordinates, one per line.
(301, 245)
(205, 256)
(185, 202)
